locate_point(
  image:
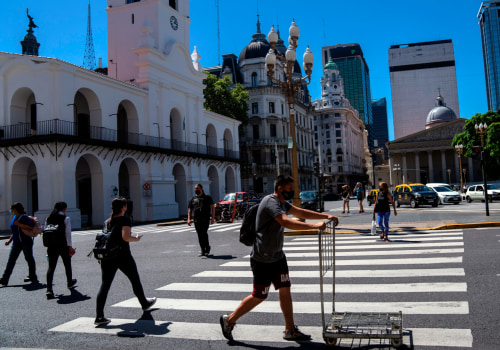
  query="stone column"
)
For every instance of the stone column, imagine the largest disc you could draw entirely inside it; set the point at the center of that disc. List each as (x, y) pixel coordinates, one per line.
(417, 166)
(470, 171)
(403, 168)
(443, 167)
(431, 167)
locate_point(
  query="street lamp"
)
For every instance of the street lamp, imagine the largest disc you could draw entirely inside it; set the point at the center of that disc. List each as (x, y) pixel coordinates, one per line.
(397, 168)
(481, 130)
(464, 170)
(290, 86)
(459, 149)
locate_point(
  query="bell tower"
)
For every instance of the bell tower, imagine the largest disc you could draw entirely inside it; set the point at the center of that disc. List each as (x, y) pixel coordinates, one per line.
(135, 24)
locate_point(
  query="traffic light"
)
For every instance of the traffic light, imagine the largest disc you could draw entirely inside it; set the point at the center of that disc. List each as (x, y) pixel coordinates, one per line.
(476, 149)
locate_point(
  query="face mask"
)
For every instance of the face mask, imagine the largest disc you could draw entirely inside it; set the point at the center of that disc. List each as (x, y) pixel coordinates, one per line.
(197, 192)
(288, 194)
(381, 189)
(11, 212)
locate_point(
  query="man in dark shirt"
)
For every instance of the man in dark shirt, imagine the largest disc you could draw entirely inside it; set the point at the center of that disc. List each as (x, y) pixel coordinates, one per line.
(268, 261)
(202, 209)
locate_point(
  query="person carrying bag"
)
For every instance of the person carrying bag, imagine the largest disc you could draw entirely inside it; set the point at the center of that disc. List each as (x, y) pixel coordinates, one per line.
(383, 210)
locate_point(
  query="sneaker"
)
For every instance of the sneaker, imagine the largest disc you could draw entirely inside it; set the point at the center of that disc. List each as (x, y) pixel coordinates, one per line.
(227, 327)
(207, 251)
(296, 335)
(343, 212)
(201, 254)
(3, 282)
(150, 304)
(101, 321)
(50, 295)
(32, 280)
(72, 284)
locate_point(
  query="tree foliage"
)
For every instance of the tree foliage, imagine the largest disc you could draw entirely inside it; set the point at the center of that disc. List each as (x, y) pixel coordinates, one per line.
(470, 138)
(221, 98)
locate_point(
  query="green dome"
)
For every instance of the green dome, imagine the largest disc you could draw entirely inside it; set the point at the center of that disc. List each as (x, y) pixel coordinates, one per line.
(331, 65)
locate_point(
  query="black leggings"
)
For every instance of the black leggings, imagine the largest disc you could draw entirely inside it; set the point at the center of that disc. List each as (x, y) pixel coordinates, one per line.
(126, 264)
(54, 253)
(202, 231)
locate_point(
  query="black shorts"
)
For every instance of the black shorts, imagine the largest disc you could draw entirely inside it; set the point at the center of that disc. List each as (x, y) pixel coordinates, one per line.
(266, 273)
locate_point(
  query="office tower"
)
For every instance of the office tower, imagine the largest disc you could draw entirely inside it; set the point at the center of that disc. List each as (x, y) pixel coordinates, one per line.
(354, 69)
(419, 72)
(380, 127)
(488, 15)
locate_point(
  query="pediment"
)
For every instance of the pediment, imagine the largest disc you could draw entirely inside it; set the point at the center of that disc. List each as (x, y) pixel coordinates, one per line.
(443, 132)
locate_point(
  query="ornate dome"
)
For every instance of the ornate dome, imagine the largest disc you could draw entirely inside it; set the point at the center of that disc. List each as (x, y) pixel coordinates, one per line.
(331, 65)
(440, 114)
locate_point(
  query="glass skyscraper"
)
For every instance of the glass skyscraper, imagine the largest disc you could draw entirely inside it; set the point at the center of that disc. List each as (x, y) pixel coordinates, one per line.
(489, 24)
(353, 68)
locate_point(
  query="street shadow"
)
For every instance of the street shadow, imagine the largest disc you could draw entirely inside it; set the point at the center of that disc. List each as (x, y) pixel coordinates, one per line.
(302, 345)
(145, 325)
(74, 297)
(32, 286)
(221, 257)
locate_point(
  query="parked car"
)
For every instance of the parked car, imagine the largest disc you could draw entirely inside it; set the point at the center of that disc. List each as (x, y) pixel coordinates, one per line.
(446, 194)
(415, 195)
(476, 192)
(244, 200)
(309, 200)
(442, 184)
(372, 197)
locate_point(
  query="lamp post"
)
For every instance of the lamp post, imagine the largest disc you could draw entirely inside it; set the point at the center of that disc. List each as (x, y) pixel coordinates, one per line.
(290, 86)
(459, 149)
(464, 171)
(481, 130)
(397, 168)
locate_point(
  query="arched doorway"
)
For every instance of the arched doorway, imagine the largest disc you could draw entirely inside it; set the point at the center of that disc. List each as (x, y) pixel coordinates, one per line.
(228, 144)
(129, 184)
(23, 112)
(81, 115)
(230, 180)
(179, 175)
(177, 128)
(89, 190)
(213, 177)
(24, 184)
(127, 122)
(211, 139)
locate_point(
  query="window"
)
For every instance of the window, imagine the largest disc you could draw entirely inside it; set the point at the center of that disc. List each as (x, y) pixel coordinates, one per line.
(282, 109)
(328, 134)
(133, 19)
(337, 115)
(254, 79)
(255, 108)
(173, 4)
(339, 159)
(256, 157)
(338, 133)
(341, 169)
(337, 125)
(271, 107)
(272, 129)
(327, 126)
(256, 135)
(339, 140)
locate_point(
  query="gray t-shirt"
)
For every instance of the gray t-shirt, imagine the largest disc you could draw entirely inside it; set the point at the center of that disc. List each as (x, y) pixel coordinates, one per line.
(268, 246)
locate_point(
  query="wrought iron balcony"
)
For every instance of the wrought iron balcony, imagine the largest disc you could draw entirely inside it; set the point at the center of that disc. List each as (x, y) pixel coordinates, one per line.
(66, 131)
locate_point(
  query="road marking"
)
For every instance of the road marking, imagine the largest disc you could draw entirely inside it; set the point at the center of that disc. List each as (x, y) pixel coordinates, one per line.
(378, 252)
(442, 337)
(327, 287)
(343, 273)
(392, 234)
(390, 245)
(388, 261)
(375, 239)
(310, 307)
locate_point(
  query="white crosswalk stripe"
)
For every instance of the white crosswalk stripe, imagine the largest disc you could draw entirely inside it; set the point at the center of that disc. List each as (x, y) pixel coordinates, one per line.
(423, 265)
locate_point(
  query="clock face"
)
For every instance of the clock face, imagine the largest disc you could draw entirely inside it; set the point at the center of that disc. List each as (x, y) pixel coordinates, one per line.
(174, 23)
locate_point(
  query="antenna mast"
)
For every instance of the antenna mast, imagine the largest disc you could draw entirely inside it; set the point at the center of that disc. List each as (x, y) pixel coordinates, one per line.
(89, 56)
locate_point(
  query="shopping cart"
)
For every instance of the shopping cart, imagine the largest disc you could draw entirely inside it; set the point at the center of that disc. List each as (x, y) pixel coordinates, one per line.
(356, 325)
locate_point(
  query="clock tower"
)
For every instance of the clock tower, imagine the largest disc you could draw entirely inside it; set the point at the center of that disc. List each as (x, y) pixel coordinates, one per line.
(134, 24)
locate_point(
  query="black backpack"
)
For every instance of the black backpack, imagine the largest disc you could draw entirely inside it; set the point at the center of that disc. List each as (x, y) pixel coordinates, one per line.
(105, 248)
(53, 234)
(248, 230)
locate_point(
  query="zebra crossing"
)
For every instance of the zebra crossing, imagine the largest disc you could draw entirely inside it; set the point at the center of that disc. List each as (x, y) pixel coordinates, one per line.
(420, 274)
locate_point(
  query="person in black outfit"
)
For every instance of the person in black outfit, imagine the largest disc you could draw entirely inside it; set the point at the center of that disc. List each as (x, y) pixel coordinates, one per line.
(61, 247)
(121, 234)
(202, 208)
(21, 243)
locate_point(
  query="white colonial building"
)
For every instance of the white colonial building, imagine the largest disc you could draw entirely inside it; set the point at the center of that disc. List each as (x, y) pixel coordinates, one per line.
(340, 136)
(75, 135)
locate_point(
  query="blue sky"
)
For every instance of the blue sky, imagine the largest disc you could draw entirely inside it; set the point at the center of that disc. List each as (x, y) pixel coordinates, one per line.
(375, 25)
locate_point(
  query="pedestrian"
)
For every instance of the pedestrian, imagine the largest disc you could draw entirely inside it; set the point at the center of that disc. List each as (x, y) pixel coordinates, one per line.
(20, 242)
(121, 234)
(383, 209)
(62, 247)
(346, 195)
(202, 209)
(268, 261)
(360, 195)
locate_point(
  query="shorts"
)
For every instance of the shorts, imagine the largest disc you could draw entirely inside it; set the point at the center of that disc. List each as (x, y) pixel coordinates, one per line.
(266, 273)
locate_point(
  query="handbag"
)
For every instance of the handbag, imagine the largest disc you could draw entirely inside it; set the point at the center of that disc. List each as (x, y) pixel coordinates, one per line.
(373, 231)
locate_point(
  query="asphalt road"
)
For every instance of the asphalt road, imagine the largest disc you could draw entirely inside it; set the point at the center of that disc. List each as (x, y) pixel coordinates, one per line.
(445, 282)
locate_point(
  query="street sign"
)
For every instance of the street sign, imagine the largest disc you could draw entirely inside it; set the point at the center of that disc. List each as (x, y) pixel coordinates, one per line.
(290, 142)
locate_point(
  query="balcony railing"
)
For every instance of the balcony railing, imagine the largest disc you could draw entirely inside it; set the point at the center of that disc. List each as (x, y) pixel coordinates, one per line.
(52, 128)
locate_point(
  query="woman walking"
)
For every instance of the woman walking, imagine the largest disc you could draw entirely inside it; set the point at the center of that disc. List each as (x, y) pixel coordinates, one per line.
(360, 195)
(121, 234)
(59, 246)
(21, 242)
(346, 194)
(383, 209)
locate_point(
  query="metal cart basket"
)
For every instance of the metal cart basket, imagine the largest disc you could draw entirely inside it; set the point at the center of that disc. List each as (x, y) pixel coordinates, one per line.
(357, 325)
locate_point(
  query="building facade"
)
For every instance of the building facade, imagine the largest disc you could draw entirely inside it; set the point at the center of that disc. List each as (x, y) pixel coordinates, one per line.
(339, 134)
(356, 74)
(265, 138)
(417, 72)
(489, 24)
(75, 135)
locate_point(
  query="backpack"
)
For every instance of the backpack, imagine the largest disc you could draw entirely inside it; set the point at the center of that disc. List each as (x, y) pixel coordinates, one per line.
(35, 230)
(105, 247)
(54, 234)
(248, 230)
